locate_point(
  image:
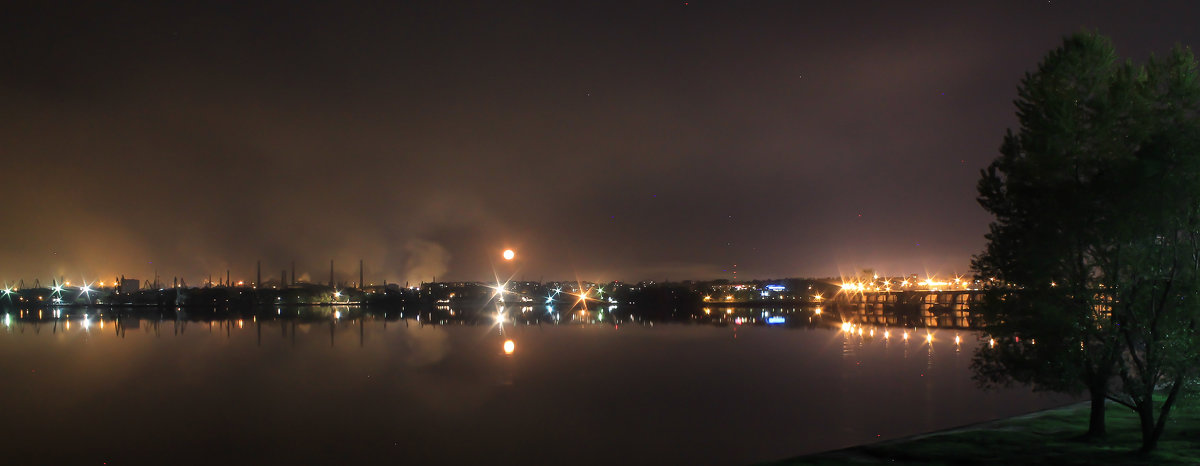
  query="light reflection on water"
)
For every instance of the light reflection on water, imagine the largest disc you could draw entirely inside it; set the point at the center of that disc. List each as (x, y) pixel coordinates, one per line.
(361, 389)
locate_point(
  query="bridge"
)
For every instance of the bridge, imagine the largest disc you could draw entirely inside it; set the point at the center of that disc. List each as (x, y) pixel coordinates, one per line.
(929, 307)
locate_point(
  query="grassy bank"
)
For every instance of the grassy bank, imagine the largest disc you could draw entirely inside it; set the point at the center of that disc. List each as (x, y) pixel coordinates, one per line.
(1046, 437)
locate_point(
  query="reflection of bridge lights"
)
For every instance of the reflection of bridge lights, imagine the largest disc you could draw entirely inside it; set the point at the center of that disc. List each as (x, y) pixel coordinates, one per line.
(887, 334)
(928, 338)
(847, 326)
(957, 340)
(906, 335)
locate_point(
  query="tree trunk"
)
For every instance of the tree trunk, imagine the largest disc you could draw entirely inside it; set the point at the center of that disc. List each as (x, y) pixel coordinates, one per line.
(1151, 442)
(1146, 417)
(1096, 425)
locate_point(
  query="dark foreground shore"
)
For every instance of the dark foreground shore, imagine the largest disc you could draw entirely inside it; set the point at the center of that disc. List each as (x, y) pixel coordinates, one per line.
(1045, 437)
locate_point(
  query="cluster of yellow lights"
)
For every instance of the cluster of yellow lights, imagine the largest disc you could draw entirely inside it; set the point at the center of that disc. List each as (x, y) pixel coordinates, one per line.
(888, 285)
(854, 329)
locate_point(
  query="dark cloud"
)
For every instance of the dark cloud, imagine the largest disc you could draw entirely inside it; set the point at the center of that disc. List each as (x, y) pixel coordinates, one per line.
(603, 141)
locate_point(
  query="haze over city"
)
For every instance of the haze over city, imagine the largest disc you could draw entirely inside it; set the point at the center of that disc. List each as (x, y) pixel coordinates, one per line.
(628, 141)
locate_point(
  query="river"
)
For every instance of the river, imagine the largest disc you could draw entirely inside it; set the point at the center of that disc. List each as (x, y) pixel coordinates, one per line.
(361, 389)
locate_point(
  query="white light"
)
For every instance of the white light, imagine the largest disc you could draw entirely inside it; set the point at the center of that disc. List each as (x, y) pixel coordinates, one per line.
(509, 254)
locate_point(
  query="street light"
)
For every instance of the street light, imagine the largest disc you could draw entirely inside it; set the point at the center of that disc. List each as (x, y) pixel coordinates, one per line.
(509, 254)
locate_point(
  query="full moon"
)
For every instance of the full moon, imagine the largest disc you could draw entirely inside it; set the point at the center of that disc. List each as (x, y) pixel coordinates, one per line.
(509, 254)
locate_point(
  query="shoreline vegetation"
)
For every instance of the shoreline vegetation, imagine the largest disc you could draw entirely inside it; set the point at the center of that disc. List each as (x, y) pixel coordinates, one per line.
(1052, 436)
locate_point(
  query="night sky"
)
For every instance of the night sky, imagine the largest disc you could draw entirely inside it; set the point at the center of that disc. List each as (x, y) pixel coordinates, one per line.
(648, 140)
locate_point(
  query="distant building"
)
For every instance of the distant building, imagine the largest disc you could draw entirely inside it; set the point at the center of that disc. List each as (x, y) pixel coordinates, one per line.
(129, 285)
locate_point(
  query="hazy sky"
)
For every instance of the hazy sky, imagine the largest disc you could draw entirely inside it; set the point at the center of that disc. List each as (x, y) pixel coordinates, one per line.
(648, 140)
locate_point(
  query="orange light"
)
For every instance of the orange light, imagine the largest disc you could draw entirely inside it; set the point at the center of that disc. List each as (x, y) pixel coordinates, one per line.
(509, 347)
(509, 254)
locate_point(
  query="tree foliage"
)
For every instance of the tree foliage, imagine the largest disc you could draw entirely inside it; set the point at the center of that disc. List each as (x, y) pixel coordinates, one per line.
(1094, 252)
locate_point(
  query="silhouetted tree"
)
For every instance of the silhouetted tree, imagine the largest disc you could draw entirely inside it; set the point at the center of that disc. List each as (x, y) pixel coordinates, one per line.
(1041, 246)
(1095, 250)
(1152, 266)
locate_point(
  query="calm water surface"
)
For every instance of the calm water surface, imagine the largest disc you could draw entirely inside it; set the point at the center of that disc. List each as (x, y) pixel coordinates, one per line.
(365, 391)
